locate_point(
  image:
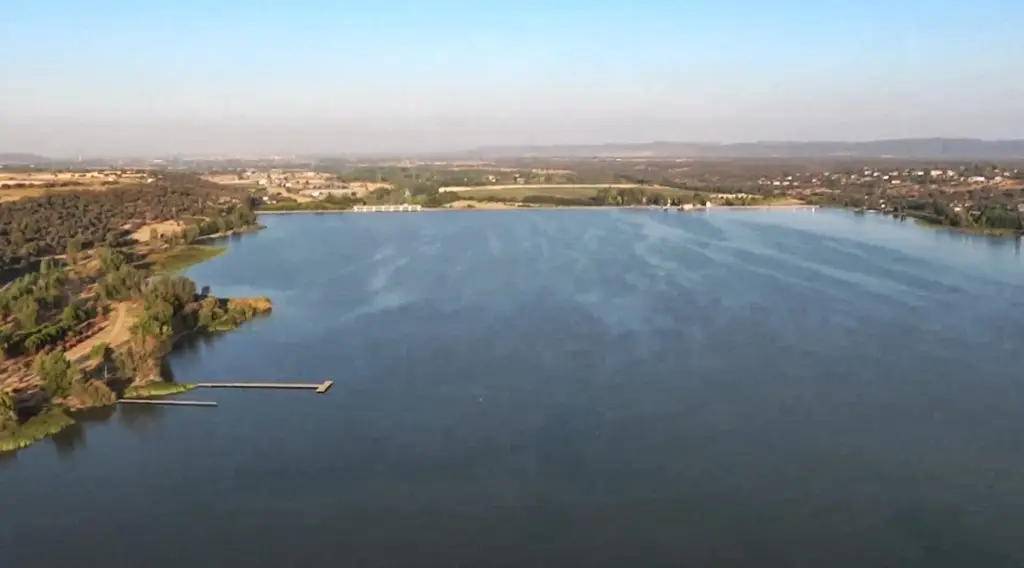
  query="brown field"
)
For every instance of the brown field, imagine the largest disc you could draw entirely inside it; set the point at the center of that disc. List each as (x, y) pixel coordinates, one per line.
(465, 204)
(35, 184)
(92, 178)
(364, 187)
(162, 229)
(14, 194)
(515, 192)
(228, 179)
(284, 193)
(304, 184)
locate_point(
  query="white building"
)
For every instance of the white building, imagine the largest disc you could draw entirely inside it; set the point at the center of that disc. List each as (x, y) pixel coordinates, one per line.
(405, 207)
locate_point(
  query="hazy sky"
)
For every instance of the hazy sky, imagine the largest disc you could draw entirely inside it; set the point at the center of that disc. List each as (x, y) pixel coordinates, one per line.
(208, 76)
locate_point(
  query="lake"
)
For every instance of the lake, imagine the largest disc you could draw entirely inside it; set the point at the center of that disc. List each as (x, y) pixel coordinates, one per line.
(568, 388)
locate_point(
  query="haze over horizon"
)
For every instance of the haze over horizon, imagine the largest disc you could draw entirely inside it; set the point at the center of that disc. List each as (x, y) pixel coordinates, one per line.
(311, 76)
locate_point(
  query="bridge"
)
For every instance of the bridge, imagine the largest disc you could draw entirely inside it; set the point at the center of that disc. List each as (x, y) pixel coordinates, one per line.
(405, 207)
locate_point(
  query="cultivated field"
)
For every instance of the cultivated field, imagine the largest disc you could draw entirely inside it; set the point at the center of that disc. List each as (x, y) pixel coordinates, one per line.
(19, 185)
(515, 192)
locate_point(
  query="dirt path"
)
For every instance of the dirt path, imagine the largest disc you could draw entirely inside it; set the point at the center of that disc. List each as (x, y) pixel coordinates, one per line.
(114, 334)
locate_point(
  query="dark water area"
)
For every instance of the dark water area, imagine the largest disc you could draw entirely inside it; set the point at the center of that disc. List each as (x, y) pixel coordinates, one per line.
(569, 388)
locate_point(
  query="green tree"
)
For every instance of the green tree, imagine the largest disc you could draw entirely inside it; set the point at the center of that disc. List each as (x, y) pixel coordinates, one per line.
(8, 414)
(191, 234)
(28, 313)
(100, 351)
(57, 373)
(92, 393)
(71, 315)
(246, 214)
(122, 284)
(74, 247)
(110, 259)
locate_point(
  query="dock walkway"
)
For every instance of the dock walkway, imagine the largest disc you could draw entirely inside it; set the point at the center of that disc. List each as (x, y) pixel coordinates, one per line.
(320, 388)
(166, 402)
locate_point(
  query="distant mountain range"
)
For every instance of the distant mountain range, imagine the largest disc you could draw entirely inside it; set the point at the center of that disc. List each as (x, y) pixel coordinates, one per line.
(21, 158)
(905, 148)
(913, 148)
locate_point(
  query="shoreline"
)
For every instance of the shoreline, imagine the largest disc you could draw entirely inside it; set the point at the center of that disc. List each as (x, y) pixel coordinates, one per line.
(974, 232)
(967, 231)
(59, 414)
(470, 209)
(748, 207)
(550, 208)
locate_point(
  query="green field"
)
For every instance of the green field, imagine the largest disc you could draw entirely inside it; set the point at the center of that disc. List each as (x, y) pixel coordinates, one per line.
(181, 257)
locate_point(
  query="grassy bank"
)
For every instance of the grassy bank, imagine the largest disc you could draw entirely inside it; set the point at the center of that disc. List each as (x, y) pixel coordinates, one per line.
(928, 220)
(159, 388)
(46, 423)
(180, 258)
(240, 231)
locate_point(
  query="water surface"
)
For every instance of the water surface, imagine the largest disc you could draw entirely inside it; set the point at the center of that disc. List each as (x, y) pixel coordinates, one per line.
(569, 388)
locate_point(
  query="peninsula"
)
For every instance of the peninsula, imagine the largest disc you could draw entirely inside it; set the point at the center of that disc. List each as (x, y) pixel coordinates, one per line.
(91, 304)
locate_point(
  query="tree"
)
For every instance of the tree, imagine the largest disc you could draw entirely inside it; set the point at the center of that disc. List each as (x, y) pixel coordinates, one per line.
(139, 360)
(101, 351)
(8, 414)
(56, 372)
(191, 234)
(92, 393)
(28, 313)
(71, 315)
(246, 213)
(122, 284)
(73, 248)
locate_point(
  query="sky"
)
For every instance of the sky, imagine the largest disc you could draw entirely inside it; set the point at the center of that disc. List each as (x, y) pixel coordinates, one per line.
(130, 77)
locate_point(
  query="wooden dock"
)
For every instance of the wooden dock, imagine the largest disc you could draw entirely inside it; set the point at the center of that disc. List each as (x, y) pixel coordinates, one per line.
(320, 388)
(167, 402)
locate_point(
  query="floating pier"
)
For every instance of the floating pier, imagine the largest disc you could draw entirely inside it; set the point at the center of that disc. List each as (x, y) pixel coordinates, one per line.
(320, 388)
(166, 402)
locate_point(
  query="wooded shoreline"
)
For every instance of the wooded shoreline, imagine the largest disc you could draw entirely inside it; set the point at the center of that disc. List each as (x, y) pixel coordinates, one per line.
(86, 326)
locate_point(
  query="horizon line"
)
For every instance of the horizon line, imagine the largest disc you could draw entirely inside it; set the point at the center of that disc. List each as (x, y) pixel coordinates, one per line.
(512, 146)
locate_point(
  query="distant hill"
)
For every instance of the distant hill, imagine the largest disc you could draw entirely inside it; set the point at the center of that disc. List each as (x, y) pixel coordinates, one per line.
(917, 148)
(948, 149)
(21, 159)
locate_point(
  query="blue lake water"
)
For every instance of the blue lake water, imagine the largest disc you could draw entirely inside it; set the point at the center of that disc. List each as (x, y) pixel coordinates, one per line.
(569, 388)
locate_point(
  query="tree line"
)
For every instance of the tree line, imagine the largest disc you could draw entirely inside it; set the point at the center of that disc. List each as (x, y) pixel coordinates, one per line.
(171, 305)
(58, 223)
